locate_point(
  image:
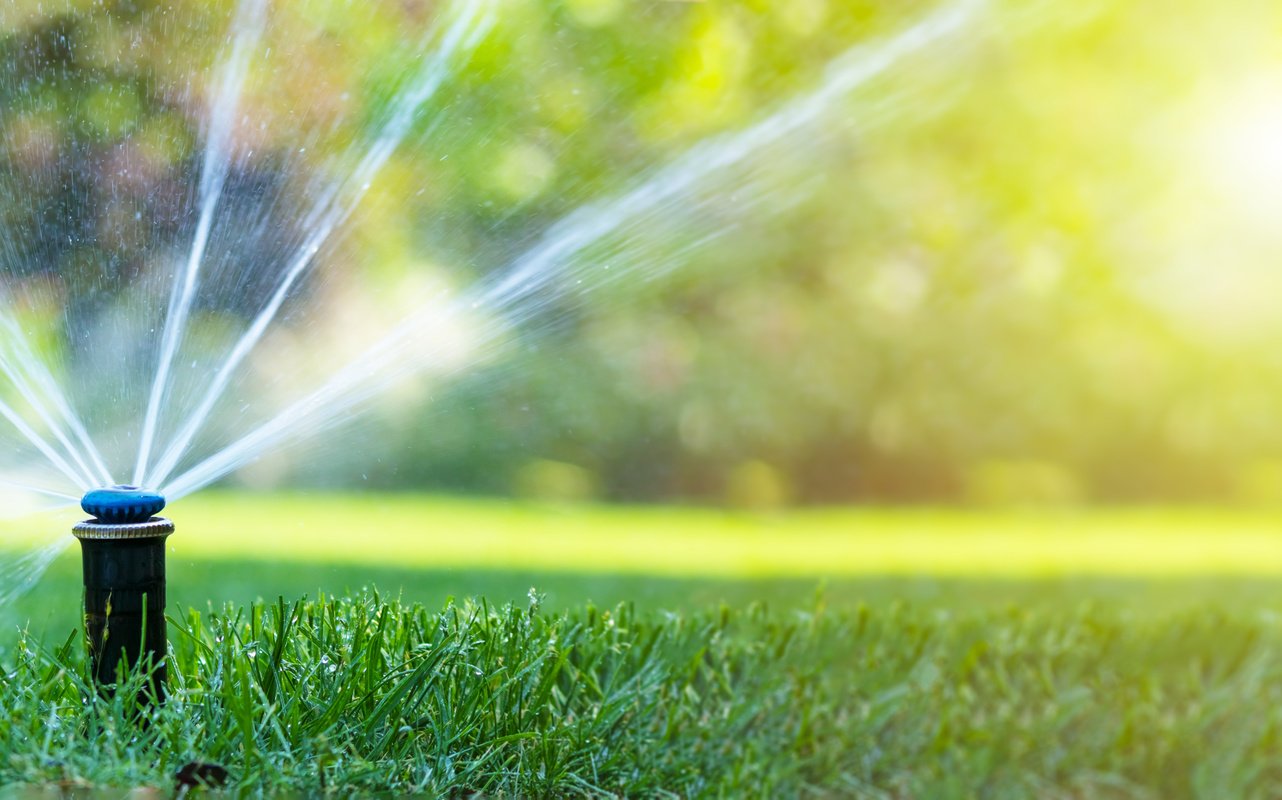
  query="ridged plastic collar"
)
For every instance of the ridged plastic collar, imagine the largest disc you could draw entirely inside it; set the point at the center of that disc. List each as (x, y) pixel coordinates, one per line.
(156, 527)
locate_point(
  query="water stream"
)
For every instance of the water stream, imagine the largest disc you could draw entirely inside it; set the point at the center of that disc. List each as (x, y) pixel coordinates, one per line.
(160, 434)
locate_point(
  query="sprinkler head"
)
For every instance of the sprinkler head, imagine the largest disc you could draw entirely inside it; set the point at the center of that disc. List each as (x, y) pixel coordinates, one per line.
(123, 549)
(122, 504)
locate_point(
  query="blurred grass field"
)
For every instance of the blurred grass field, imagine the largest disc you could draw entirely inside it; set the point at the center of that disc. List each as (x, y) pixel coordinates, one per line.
(431, 532)
(240, 547)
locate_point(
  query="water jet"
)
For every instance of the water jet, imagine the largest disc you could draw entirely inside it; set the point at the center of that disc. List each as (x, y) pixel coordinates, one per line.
(173, 392)
(123, 552)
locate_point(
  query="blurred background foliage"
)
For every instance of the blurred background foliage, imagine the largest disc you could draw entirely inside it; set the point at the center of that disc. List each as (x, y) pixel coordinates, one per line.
(1047, 274)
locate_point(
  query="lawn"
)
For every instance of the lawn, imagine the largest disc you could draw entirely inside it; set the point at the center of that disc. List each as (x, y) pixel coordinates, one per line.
(680, 652)
(241, 547)
(426, 532)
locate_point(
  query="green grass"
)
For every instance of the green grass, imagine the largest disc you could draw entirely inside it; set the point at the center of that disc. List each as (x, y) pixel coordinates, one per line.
(432, 532)
(236, 547)
(425, 532)
(1070, 655)
(358, 696)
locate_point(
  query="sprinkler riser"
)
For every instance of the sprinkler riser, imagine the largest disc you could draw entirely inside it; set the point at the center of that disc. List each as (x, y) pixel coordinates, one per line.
(124, 598)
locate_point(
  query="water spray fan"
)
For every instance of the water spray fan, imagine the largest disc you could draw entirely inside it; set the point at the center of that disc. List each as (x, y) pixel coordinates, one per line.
(123, 549)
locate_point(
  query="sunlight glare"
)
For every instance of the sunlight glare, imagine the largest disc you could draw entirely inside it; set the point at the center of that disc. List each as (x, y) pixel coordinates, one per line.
(1242, 149)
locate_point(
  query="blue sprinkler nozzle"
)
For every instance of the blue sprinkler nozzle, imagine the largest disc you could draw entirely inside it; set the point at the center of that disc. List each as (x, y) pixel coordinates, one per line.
(121, 504)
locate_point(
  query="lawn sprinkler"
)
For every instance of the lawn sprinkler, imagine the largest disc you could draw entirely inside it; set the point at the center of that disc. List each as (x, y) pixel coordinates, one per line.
(123, 550)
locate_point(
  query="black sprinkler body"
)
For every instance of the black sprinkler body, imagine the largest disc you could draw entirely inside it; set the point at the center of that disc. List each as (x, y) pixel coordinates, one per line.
(123, 549)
